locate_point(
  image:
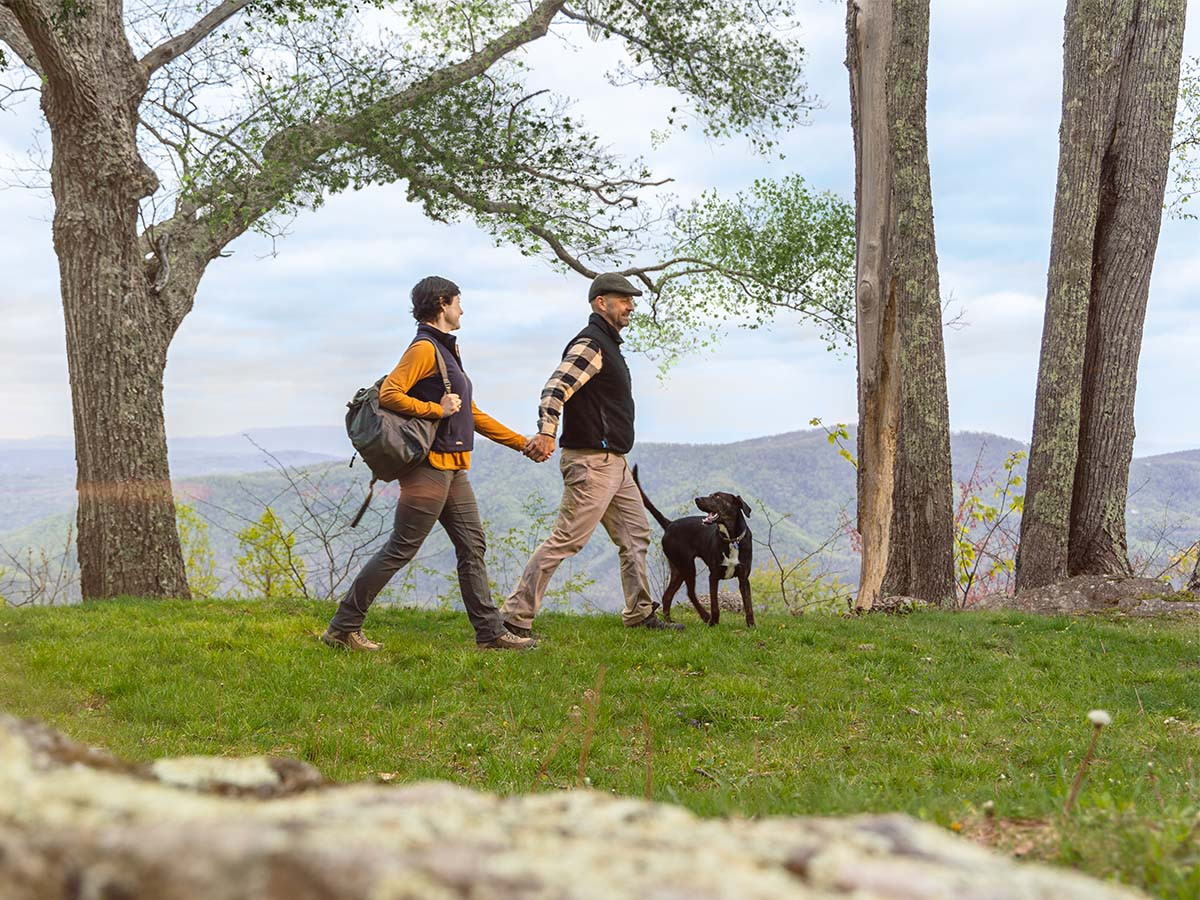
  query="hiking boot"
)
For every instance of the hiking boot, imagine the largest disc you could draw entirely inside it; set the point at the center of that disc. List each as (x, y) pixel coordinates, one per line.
(653, 621)
(522, 632)
(349, 640)
(506, 641)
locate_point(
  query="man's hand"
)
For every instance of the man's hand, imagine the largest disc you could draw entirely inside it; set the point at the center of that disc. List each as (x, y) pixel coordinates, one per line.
(539, 448)
(450, 403)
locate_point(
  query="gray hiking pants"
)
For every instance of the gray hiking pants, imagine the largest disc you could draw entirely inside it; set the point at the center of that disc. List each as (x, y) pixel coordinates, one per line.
(429, 495)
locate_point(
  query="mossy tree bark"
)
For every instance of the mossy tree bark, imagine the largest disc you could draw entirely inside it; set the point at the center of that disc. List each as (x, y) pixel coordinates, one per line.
(117, 326)
(905, 506)
(1120, 83)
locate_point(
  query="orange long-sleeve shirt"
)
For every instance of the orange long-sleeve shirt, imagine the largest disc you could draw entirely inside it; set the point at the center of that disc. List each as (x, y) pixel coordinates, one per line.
(419, 362)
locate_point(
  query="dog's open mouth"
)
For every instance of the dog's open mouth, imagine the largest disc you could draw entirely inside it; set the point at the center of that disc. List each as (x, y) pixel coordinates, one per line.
(710, 518)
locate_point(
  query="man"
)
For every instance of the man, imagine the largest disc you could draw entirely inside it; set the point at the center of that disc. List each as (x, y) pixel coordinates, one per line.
(591, 392)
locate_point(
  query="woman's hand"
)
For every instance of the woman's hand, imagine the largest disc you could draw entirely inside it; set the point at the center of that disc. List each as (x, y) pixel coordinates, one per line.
(450, 403)
(539, 447)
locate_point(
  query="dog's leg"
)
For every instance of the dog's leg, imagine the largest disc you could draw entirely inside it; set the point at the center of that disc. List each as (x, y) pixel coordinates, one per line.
(690, 581)
(714, 581)
(669, 594)
(744, 586)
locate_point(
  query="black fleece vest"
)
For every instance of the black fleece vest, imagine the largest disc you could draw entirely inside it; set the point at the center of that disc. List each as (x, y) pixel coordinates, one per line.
(599, 416)
(455, 434)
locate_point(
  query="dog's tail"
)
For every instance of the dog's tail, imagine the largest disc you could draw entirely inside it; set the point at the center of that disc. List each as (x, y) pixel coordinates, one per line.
(662, 520)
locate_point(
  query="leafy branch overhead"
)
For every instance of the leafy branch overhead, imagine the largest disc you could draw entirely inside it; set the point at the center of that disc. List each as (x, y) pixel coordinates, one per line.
(780, 245)
(1185, 167)
(254, 111)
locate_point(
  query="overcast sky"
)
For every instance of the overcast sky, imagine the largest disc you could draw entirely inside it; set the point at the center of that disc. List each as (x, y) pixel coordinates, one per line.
(285, 340)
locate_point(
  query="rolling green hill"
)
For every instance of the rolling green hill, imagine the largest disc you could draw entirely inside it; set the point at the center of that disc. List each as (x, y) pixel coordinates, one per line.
(797, 475)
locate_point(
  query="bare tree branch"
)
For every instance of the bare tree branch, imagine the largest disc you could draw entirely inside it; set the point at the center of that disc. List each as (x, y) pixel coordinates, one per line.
(30, 84)
(43, 578)
(180, 44)
(790, 593)
(217, 136)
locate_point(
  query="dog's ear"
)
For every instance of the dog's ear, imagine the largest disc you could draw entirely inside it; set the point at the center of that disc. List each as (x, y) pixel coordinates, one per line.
(745, 505)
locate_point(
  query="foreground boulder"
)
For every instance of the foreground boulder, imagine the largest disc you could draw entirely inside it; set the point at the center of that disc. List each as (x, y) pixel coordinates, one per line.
(1097, 594)
(76, 823)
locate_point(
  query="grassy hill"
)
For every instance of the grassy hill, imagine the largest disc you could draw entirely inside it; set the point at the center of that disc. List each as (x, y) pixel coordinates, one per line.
(972, 721)
(797, 475)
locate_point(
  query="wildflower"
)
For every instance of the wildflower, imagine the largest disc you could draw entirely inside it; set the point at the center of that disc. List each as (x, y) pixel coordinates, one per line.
(1099, 718)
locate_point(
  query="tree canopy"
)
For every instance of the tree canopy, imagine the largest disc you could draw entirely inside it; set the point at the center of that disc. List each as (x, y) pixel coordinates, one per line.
(255, 110)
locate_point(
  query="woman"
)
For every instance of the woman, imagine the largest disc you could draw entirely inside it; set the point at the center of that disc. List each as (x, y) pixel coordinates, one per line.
(437, 490)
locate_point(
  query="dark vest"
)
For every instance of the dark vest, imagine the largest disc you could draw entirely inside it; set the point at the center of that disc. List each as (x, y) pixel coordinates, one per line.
(599, 416)
(455, 434)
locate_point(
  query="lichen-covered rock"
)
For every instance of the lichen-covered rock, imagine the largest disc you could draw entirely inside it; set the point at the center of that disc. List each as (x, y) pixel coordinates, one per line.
(1095, 594)
(729, 601)
(75, 823)
(898, 605)
(1181, 604)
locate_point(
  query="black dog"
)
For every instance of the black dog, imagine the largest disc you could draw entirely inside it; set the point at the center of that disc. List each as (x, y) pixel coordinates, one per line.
(721, 539)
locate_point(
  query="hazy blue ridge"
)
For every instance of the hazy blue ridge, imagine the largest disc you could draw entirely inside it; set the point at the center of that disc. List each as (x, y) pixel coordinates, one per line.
(798, 475)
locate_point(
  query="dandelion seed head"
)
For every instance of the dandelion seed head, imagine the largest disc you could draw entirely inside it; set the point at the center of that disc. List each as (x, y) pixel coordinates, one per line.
(1099, 718)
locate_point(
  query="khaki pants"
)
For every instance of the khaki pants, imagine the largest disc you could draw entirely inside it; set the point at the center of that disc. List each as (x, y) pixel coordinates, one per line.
(598, 489)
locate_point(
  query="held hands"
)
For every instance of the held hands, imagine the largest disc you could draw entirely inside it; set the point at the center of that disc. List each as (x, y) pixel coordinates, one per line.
(450, 403)
(539, 447)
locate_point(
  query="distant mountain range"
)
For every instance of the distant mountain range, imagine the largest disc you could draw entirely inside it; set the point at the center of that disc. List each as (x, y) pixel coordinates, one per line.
(37, 476)
(797, 475)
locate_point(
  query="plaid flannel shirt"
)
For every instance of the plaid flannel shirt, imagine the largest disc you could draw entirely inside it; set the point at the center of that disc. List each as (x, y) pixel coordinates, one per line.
(582, 361)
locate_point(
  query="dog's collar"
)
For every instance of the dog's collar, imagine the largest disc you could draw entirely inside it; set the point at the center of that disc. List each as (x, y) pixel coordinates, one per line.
(725, 533)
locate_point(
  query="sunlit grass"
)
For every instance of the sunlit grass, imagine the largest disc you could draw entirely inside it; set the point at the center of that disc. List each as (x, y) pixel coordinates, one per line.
(934, 714)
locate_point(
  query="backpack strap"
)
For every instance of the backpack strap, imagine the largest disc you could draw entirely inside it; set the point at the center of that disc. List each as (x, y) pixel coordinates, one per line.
(362, 509)
(441, 364)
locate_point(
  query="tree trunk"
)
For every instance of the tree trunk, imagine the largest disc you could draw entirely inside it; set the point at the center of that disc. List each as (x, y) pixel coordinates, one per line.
(1194, 581)
(118, 328)
(1089, 46)
(868, 34)
(921, 555)
(1119, 57)
(1133, 181)
(904, 484)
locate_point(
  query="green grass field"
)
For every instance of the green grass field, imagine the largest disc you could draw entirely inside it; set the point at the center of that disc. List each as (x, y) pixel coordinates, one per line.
(934, 714)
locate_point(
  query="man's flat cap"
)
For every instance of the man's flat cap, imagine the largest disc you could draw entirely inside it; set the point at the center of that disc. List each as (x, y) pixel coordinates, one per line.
(612, 283)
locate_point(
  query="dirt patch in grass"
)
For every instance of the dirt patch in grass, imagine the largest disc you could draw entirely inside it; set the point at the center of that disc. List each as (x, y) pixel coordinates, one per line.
(1019, 838)
(1192, 728)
